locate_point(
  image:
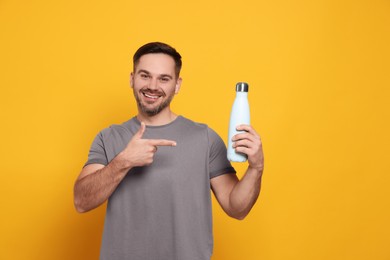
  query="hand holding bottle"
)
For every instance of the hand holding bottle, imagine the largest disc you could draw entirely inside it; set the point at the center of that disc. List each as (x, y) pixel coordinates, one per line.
(249, 143)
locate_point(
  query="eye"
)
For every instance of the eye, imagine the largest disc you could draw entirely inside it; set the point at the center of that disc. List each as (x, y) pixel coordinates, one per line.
(164, 79)
(144, 76)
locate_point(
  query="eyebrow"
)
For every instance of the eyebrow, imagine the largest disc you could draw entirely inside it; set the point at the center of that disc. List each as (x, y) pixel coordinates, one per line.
(143, 71)
(161, 76)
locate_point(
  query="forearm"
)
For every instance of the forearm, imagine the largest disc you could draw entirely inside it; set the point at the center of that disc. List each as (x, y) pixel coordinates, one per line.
(245, 193)
(94, 189)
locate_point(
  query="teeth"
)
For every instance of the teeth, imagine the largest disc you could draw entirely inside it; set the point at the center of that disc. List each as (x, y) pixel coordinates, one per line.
(149, 96)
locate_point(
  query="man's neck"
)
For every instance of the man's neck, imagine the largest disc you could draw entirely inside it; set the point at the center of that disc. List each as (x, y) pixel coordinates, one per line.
(162, 118)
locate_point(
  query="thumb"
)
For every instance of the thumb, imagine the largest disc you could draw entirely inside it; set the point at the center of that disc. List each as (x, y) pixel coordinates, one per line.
(141, 131)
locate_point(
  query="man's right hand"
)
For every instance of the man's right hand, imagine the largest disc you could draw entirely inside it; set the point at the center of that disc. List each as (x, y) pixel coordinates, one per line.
(140, 152)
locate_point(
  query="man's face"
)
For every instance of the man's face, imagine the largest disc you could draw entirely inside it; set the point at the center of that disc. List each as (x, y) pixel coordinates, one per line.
(154, 82)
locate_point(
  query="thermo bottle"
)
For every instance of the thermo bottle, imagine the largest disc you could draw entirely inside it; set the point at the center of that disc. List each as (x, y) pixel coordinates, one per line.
(239, 115)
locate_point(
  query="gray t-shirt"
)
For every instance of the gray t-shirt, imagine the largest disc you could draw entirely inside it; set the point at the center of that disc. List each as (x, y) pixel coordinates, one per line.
(162, 211)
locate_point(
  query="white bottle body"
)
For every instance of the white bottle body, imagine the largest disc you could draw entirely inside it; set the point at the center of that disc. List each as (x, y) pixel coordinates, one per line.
(240, 114)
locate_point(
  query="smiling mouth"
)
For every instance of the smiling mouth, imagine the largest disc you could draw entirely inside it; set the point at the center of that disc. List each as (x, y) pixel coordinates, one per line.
(151, 95)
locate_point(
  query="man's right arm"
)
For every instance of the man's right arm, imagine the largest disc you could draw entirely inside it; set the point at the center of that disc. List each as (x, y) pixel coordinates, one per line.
(97, 182)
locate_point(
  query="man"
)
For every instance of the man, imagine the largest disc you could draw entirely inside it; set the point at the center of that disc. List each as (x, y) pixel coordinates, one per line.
(156, 171)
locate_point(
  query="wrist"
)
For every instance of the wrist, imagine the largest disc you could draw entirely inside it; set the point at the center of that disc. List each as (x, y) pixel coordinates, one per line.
(121, 163)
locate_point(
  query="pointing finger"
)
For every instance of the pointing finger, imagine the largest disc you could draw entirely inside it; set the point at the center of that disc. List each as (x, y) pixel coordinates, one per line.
(162, 142)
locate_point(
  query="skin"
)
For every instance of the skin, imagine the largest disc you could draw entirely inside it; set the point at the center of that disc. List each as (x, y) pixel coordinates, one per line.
(154, 83)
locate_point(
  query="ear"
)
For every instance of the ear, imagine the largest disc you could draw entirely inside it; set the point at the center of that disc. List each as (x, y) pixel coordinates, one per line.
(178, 85)
(131, 80)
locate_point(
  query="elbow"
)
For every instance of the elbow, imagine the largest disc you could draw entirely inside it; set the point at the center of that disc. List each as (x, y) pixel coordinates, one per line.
(79, 208)
(238, 215)
(237, 211)
(83, 206)
(79, 205)
(78, 201)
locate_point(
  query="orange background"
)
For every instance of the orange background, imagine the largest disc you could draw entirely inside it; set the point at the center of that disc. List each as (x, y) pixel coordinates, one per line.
(319, 93)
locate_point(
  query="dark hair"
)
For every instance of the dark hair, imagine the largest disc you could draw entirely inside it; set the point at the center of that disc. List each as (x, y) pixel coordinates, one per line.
(158, 47)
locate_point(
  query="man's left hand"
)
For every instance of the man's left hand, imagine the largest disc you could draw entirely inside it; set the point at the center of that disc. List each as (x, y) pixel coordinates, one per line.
(249, 143)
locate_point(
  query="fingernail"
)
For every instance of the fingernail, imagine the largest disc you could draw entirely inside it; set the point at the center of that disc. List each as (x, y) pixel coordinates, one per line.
(174, 144)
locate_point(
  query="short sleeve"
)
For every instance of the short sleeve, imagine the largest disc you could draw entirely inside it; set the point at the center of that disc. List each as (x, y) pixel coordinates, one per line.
(218, 162)
(97, 153)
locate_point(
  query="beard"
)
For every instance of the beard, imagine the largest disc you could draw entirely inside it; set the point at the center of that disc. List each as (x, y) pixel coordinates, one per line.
(155, 110)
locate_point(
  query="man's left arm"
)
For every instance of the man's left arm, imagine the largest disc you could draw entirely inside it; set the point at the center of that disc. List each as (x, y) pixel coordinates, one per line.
(237, 197)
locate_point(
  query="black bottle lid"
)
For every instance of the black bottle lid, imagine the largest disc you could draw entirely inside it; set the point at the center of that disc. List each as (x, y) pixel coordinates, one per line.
(242, 87)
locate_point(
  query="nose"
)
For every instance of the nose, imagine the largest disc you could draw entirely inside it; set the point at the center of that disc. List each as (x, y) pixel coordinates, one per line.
(153, 84)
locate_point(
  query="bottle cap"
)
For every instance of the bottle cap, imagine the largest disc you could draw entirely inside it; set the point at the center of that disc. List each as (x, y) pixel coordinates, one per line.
(242, 87)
